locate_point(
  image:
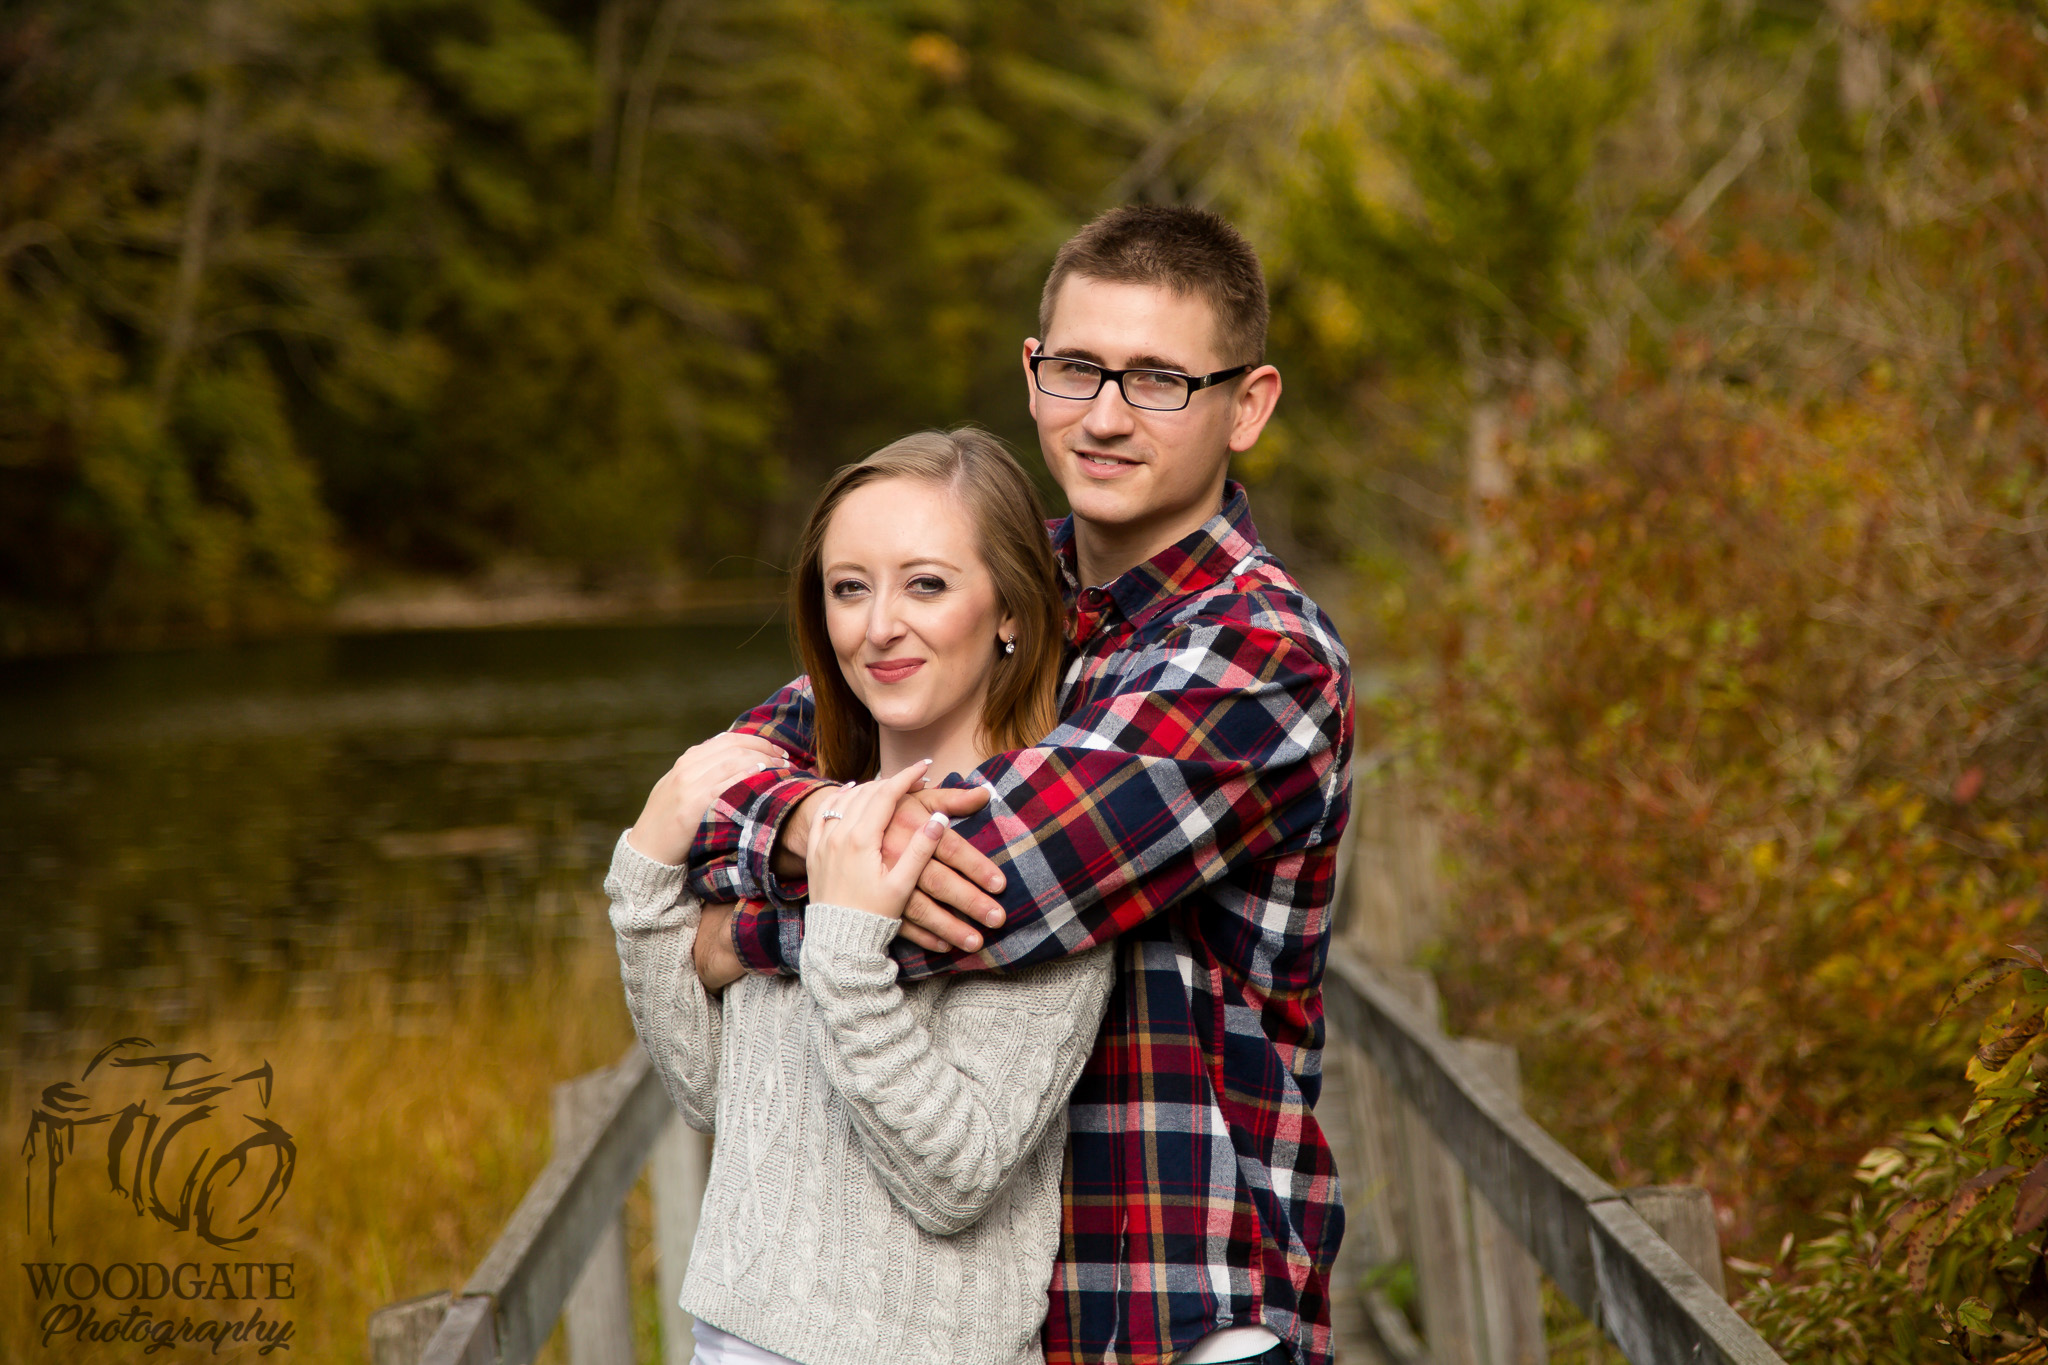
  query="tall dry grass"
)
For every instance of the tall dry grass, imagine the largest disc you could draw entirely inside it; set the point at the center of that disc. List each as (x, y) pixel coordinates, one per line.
(420, 1114)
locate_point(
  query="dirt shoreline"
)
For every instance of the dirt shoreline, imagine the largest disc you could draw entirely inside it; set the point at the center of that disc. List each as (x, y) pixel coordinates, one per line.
(497, 602)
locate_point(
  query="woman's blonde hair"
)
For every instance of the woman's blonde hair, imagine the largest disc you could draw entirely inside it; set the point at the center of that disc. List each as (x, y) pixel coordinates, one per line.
(1009, 534)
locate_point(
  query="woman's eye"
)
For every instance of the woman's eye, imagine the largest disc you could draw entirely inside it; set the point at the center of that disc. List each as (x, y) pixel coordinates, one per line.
(846, 587)
(925, 585)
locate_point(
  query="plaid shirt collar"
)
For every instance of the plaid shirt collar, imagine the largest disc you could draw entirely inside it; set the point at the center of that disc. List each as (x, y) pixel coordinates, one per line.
(1188, 566)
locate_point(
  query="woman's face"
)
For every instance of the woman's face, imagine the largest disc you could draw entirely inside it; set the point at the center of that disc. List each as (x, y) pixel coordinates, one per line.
(912, 612)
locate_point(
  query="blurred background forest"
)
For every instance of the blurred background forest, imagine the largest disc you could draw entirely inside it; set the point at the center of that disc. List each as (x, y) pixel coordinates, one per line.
(1666, 421)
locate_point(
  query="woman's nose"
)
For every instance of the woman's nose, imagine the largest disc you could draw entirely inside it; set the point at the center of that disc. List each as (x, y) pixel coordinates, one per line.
(885, 622)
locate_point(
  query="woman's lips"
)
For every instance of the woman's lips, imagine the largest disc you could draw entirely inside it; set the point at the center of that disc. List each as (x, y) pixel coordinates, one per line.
(894, 670)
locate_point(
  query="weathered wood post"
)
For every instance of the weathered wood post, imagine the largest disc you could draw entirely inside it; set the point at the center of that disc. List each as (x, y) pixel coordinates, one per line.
(681, 1161)
(1405, 1196)
(1508, 1314)
(599, 1313)
(400, 1331)
(1683, 1215)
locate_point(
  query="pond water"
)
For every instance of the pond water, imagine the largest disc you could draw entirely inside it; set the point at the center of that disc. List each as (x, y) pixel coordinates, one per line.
(417, 805)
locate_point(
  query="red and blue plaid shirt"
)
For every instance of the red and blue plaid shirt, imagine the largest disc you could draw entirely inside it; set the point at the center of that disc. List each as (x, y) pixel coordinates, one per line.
(1188, 807)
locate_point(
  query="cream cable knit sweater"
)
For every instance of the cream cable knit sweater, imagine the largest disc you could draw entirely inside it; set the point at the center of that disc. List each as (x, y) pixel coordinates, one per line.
(886, 1181)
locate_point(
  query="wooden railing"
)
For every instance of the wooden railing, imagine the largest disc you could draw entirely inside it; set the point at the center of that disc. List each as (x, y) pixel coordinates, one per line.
(1586, 1235)
(1441, 1170)
(564, 1247)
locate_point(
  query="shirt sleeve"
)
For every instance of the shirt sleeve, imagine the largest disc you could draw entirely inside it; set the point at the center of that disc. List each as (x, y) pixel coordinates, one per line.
(1227, 741)
(732, 857)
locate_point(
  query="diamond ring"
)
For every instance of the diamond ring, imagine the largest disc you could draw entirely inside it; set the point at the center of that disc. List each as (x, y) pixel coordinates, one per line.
(830, 815)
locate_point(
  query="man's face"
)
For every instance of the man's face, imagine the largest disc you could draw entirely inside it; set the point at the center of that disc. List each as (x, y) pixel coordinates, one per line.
(1140, 477)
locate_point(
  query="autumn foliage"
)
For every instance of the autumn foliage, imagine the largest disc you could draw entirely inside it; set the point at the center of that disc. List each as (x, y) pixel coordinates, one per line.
(1742, 706)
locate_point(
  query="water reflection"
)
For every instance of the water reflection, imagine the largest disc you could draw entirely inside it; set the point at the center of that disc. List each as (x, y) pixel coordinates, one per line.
(422, 806)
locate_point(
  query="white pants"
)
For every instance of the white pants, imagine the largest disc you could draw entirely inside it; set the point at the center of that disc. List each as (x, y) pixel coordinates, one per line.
(716, 1347)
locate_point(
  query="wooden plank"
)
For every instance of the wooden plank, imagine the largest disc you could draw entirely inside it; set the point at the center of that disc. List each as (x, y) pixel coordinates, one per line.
(682, 1160)
(467, 1336)
(1510, 1292)
(530, 1269)
(1439, 1233)
(598, 1314)
(1683, 1215)
(1540, 1190)
(1349, 1332)
(1391, 1336)
(1598, 1250)
(399, 1332)
(1655, 1306)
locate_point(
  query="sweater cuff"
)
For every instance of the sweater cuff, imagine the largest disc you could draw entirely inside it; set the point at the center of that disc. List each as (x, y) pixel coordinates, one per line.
(643, 884)
(843, 931)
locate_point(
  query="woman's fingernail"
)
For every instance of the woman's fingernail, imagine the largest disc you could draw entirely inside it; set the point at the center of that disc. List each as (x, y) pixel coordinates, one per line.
(937, 822)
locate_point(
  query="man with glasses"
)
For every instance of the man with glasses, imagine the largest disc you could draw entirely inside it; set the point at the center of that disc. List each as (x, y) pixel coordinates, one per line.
(1188, 806)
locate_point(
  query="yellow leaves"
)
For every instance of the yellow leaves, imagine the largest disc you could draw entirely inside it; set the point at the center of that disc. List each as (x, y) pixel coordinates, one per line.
(1911, 811)
(1763, 858)
(1332, 316)
(1880, 1163)
(938, 56)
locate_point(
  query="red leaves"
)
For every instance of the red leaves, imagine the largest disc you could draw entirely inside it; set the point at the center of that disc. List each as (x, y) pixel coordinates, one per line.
(2030, 1208)
(1924, 1234)
(1970, 1194)
(1968, 785)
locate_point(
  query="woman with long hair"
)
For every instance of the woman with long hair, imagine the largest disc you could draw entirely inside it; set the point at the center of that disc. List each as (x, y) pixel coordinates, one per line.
(885, 1183)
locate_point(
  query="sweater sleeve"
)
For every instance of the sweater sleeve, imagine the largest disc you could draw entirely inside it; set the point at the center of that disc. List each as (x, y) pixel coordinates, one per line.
(655, 921)
(946, 1114)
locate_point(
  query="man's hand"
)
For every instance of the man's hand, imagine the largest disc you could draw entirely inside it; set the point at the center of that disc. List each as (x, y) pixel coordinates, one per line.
(953, 890)
(950, 891)
(717, 961)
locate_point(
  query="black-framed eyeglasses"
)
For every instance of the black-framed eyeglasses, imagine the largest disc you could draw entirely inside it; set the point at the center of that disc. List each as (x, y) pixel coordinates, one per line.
(1153, 390)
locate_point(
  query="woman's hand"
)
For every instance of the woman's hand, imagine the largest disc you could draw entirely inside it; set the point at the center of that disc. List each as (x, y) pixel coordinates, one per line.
(668, 823)
(845, 848)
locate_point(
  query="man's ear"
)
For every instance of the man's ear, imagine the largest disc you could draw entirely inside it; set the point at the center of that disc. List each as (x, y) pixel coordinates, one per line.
(1257, 395)
(1031, 345)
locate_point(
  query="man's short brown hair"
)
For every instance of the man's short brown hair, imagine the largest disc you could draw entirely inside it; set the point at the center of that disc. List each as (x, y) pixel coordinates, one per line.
(1187, 250)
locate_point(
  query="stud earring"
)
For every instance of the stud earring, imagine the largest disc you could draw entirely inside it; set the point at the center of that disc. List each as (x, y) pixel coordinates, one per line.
(1010, 645)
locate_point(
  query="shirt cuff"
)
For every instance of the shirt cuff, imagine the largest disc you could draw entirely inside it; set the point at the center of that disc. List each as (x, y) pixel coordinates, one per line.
(762, 827)
(767, 939)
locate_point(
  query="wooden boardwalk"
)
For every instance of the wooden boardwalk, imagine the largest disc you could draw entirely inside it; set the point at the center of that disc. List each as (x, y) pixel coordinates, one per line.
(1442, 1172)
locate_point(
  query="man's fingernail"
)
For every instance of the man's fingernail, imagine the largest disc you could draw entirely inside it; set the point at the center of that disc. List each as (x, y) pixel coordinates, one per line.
(995, 883)
(973, 942)
(995, 919)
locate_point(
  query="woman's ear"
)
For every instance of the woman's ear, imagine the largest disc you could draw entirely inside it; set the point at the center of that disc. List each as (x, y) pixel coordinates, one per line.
(1006, 630)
